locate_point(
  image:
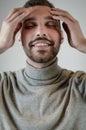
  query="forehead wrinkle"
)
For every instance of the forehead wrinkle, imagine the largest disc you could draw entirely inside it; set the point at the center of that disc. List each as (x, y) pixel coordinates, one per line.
(30, 19)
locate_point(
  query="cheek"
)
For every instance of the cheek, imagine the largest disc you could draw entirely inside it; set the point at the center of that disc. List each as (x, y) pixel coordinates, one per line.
(56, 34)
(56, 37)
(25, 38)
(28, 35)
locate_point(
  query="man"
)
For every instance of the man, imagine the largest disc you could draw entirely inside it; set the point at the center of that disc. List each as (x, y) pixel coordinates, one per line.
(42, 96)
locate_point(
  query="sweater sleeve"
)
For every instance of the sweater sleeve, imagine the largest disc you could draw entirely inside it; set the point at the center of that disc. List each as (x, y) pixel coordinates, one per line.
(79, 82)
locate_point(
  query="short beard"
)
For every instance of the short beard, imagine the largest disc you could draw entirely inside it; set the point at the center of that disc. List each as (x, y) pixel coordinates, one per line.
(40, 58)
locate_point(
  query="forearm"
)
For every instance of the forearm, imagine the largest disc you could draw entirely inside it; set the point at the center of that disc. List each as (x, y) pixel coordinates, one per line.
(2, 48)
(3, 45)
(82, 47)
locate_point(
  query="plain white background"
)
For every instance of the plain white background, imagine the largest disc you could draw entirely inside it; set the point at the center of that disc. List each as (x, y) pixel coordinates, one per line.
(14, 58)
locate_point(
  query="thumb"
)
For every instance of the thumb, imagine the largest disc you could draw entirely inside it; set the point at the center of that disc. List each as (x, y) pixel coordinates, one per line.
(17, 28)
(65, 27)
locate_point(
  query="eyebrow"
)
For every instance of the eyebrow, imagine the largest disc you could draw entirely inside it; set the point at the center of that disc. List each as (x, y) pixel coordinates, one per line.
(49, 18)
(30, 19)
(34, 19)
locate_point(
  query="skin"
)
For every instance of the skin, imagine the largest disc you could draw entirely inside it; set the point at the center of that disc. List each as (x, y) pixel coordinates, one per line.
(40, 24)
(16, 21)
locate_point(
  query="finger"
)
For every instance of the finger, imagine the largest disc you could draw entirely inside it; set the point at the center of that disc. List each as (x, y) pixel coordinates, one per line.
(12, 12)
(63, 12)
(17, 28)
(15, 16)
(19, 18)
(67, 31)
(20, 12)
(15, 13)
(64, 19)
(59, 12)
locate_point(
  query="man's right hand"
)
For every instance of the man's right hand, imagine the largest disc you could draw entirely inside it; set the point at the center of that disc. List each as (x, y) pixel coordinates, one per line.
(11, 26)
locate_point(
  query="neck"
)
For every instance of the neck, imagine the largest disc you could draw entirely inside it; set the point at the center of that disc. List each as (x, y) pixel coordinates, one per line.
(40, 65)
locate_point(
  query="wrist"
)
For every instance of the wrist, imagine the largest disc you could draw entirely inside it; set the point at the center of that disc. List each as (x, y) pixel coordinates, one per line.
(82, 46)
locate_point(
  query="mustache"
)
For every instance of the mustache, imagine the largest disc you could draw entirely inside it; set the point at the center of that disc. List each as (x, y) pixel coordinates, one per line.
(51, 43)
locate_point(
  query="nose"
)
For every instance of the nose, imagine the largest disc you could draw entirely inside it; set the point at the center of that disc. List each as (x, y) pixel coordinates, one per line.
(41, 35)
(41, 31)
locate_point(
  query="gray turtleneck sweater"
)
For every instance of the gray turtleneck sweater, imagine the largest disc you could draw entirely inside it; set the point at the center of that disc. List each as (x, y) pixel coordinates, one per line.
(50, 98)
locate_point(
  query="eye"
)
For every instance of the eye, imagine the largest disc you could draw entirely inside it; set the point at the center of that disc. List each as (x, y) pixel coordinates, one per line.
(29, 25)
(51, 24)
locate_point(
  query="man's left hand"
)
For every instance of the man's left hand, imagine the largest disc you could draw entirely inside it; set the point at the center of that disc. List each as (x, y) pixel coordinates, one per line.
(72, 28)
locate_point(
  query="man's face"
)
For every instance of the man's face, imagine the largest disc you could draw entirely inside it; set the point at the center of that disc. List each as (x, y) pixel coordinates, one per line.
(41, 35)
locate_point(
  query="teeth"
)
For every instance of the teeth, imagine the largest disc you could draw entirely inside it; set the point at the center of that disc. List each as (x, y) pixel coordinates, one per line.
(41, 44)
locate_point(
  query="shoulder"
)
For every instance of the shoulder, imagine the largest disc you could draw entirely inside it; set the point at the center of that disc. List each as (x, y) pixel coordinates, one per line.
(79, 76)
(78, 82)
(9, 75)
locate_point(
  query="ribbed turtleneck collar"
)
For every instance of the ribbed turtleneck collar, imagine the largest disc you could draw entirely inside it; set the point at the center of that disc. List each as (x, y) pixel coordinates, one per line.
(42, 74)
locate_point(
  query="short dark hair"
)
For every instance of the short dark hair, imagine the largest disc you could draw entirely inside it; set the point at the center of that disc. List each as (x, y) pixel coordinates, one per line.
(31, 3)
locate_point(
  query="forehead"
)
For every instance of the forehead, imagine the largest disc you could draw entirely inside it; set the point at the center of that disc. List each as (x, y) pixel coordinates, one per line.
(40, 12)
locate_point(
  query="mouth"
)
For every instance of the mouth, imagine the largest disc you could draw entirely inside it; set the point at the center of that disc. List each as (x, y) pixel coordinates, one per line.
(41, 43)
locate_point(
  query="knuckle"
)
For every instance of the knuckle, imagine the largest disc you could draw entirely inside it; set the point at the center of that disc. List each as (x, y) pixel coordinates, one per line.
(65, 12)
(18, 13)
(15, 9)
(76, 21)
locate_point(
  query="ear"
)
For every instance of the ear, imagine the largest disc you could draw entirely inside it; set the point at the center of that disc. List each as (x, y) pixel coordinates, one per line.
(62, 37)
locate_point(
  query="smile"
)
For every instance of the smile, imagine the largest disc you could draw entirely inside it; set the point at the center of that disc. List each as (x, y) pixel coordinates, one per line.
(41, 44)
